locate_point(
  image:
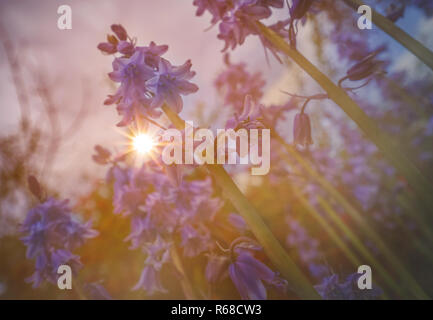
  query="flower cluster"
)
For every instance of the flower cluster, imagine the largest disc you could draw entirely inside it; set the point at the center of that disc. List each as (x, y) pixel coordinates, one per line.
(51, 232)
(168, 208)
(237, 18)
(161, 211)
(147, 81)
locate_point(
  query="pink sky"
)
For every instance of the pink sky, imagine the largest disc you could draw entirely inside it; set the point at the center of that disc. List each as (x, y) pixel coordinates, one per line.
(72, 61)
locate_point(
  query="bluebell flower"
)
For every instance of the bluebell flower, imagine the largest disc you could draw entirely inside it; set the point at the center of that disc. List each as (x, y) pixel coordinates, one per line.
(125, 47)
(132, 95)
(150, 281)
(47, 264)
(147, 80)
(157, 208)
(128, 200)
(153, 53)
(51, 231)
(365, 68)
(217, 8)
(195, 240)
(302, 130)
(169, 83)
(237, 18)
(249, 275)
(251, 116)
(158, 255)
(240, 22)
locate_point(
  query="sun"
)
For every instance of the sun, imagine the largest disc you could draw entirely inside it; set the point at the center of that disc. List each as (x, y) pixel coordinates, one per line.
(143, 143)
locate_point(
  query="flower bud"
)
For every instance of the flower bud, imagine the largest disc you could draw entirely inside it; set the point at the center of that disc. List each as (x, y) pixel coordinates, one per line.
(365, 68)
(107, 47)
(119, 31)
(102, 155)
(112, 39)
(302, 130)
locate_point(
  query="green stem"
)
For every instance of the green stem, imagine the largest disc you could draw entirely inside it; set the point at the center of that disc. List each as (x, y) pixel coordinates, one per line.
(414, 46)
(388, 147)
(299, 283)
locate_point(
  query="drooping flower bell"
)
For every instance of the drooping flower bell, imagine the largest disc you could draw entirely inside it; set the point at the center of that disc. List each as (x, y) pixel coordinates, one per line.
(158, 255)
(302, 130)
(365, 68)
(249, 274)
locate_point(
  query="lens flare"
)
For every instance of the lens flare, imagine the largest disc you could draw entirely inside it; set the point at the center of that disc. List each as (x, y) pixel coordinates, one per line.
(143, 143)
